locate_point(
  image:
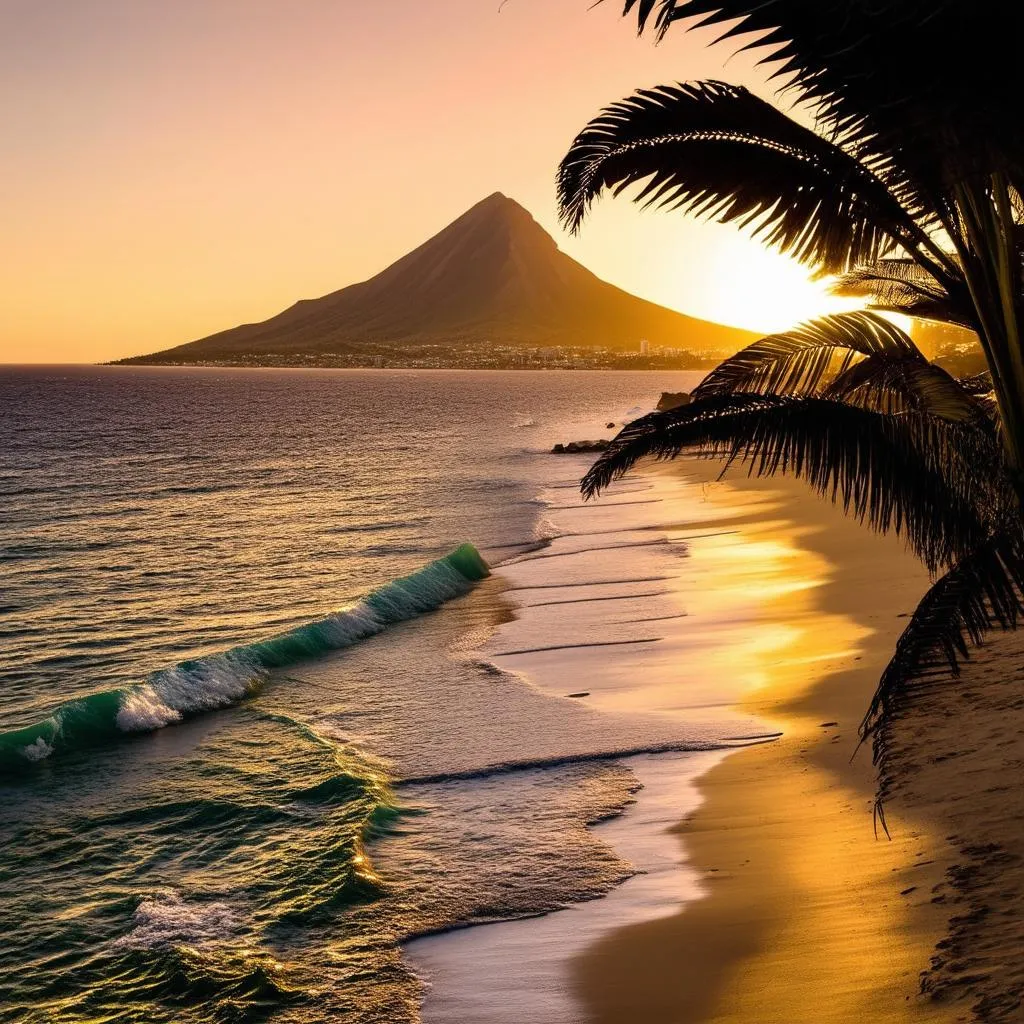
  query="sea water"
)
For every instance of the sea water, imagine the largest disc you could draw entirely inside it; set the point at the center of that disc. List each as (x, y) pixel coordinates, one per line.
(248, 743)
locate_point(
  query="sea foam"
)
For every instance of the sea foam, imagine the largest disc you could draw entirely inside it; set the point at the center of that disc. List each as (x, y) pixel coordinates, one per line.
(166, 918)
(220, 680)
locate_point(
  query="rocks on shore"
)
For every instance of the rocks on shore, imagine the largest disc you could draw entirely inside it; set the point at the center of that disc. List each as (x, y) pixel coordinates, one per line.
(669, 400)
(672, 400)
(579, 447)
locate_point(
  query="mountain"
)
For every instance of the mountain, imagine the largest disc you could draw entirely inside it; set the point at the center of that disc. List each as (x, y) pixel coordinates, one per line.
(492, 277)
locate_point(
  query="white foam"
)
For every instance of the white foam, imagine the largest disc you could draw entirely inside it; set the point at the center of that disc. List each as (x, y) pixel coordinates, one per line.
(142, 711)
(620, 566)
(351, 624)
(37, 751)
(186, 689)
(165, 918)
(518, 971)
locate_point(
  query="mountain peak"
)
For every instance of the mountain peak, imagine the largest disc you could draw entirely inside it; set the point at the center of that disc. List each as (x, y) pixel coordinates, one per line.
(493, 276)
(498, 207)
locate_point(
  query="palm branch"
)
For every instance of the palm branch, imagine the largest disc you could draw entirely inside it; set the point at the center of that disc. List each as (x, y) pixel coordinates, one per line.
(719, 151)
(859, 357)
(916, 475)
(949, 147)
(877, 74)
(900, 285)
(983, 590)
(911, 186)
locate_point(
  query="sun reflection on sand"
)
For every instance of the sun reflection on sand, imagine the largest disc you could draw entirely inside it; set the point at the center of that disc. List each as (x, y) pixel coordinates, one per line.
(810, 918)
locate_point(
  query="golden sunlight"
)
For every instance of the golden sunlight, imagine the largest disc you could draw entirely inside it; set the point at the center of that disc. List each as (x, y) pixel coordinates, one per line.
(749, 286)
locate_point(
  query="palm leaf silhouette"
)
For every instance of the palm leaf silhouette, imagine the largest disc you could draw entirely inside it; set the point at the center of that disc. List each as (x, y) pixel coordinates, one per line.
(915, 475)
(719, 151)
(911, 188)
(900, 285)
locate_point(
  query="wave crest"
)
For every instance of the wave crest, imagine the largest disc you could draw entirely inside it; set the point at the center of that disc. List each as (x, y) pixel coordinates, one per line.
(205, 684)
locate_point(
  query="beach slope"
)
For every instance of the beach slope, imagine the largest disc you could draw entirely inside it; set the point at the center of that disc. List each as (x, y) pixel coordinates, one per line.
(810, 916)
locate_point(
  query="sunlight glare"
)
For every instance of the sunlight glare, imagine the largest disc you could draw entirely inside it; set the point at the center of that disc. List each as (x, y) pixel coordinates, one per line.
(762, 290)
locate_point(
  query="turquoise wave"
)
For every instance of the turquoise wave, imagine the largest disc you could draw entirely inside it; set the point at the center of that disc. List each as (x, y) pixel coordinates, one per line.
(217, 681)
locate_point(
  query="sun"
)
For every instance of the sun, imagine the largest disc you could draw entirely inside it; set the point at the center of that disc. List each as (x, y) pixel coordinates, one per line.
(703, 269)
(740, 282)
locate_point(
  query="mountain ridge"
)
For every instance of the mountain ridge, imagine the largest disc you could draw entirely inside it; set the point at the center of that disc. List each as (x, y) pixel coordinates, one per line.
(492, 277)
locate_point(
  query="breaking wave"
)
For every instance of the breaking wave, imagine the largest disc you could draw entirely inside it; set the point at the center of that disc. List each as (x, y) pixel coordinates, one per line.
(219, 680)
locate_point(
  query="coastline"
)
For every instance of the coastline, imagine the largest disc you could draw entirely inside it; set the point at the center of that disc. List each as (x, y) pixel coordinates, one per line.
(802, 897)
(514, 971)
(778, 898)
(603, 615)
(787, 612)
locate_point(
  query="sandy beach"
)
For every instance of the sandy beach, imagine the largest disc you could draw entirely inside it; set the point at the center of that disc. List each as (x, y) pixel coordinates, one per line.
(955, 756)
(786, 613)
(802, 896)
(782, 901)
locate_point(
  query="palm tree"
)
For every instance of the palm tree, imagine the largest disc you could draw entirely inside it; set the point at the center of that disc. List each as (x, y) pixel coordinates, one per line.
(919, 151)
(849, 404)
(910, 189)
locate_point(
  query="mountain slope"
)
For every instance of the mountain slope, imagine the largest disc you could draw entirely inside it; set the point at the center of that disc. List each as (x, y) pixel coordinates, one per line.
(492, 277)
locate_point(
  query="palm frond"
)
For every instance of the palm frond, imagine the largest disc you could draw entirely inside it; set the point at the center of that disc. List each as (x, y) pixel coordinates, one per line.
(983, 590)
(878, 75)
(859, 358)
(896, 385)
(718, 151)
(914, 475)
(903, 286)
(803, 360)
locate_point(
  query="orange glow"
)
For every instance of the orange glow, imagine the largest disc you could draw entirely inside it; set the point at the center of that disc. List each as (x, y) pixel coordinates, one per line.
(176, 169)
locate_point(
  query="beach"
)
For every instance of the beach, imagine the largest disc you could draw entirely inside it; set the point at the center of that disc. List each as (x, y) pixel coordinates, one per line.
(790, 902)
(802, 894)
(643, 720)
(955, 756)
(248, 746)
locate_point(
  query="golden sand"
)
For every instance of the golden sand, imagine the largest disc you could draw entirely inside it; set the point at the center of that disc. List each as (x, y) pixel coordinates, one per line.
(809, 917)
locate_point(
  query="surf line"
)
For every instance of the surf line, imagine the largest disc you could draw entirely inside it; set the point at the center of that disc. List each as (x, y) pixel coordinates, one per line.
(594, 583)
(585, 551)
(653, 618)
(611, 504)
(574, 647)
(539, 764)
(611, 597)
(206, 683)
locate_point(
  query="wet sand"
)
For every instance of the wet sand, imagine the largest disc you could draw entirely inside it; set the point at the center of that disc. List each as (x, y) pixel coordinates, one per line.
(809, 917)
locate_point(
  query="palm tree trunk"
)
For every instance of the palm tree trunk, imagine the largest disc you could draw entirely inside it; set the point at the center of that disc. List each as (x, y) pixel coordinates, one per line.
(987, 248)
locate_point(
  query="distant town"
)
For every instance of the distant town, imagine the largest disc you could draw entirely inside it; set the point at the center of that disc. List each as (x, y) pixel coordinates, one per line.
(469, 357)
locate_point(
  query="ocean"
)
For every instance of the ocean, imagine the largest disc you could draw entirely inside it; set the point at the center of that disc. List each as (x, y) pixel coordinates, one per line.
(254, 732)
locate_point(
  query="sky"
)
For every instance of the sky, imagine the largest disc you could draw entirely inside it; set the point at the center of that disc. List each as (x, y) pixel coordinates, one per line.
(174, 169)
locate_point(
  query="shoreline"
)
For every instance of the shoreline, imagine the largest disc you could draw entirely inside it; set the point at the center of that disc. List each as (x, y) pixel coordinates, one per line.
(509, 972)
(802, 898)
(584, 608)
(789, 610)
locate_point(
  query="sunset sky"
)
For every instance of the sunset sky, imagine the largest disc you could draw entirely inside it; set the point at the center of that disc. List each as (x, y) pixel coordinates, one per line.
(173, 169)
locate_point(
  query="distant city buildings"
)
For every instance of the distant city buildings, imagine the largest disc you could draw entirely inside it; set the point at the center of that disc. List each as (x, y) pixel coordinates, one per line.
(465, 356)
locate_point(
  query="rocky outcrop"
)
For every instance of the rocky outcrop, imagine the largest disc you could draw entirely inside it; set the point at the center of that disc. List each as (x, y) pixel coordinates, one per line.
(580, 447)
(672, 400)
